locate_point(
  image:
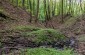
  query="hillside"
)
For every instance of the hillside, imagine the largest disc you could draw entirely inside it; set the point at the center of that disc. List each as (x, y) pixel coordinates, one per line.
(51, 35)
(17, 16)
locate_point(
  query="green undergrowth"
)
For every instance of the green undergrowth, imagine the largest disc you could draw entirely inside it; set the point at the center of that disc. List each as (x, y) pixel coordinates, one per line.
(47, 51)
(37, 35)
(45, 35)
(40, 35)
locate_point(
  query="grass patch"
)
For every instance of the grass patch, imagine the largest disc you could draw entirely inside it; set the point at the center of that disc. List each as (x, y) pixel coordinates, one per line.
(47, 51)
(40, 35)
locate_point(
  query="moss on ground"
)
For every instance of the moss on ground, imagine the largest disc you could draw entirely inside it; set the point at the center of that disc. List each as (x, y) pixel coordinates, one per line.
(40, 35)
(45, 35)
(47, 51)
(36, 35)
(26, 28)
(44, 51)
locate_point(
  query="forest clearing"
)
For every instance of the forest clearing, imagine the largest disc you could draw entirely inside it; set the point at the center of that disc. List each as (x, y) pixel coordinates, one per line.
(42, 27)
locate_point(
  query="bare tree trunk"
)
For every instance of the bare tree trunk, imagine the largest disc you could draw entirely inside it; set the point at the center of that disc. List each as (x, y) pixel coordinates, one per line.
(62, 11)
(17, 2)
(81, 5)
(23, 4)
(37, 14)
(30, 6)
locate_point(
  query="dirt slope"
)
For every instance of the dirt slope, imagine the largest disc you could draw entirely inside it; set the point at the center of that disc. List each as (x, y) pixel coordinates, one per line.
(76, 28)
(17, 16)
(14, 11)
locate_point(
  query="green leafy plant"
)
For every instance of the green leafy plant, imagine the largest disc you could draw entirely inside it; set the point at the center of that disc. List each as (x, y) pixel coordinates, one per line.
(48, 51)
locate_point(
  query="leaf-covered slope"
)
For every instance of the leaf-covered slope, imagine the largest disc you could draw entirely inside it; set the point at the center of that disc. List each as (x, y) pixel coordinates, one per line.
(13, 11)
(13, 15)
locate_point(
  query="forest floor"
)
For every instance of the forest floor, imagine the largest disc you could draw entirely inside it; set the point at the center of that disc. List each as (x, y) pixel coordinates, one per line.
(12, 17)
